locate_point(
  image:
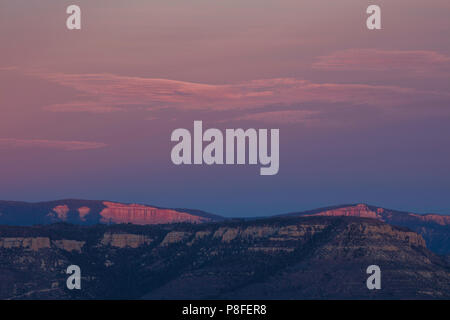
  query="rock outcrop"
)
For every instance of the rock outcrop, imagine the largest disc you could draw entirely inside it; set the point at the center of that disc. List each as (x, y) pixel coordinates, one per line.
(84, 211)
(140, 214)
(174, 237)
(434, 228)
(69, 245)
(124, 240)
(91, 212)
(366, 211)
(436, 218)
(359, 210)
(38, 243)
(61, 212)
(33, 244)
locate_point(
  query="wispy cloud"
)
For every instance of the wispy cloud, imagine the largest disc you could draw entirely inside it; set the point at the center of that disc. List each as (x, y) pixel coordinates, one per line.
(103, 93)
(419, 61)
(90, 107)
(8, 68)
(50, 144)
(283, 117)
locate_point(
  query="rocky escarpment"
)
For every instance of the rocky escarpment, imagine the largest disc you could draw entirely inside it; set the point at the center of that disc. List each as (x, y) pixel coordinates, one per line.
(307, 257)
(124, 240)
(90, 212)
(25, 243)
(272, 237)
(359, 210)
(435, 218)
(39, 243)
(366, 211)
(140, 214)
(434, 228)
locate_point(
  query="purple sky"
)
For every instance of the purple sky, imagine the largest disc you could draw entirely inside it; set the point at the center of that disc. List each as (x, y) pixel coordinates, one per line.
(364, 116)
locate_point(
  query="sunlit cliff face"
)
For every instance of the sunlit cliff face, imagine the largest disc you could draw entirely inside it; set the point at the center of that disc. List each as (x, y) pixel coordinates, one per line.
(364, 211)
(140, 214)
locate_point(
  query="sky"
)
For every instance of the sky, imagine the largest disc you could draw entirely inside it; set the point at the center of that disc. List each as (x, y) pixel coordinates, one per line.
(364, 116)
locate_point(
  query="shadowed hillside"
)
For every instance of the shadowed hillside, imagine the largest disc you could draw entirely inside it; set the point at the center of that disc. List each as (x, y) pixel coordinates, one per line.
(277, 258)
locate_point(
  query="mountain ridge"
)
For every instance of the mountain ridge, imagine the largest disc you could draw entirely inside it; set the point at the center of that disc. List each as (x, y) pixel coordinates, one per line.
(213, 216)
(90, 212)
(315, 257)
(435, 228)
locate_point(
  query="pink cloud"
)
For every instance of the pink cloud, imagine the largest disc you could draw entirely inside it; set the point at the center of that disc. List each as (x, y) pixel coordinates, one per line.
(50, 144)
(283, 117)
(419, 61)
(91, 107)
(9, 68)
(102, 93)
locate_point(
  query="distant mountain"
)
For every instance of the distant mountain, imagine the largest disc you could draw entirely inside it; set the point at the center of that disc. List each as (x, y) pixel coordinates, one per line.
(316, 257)
(434, 228)
(89, 212)
(383, 214)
